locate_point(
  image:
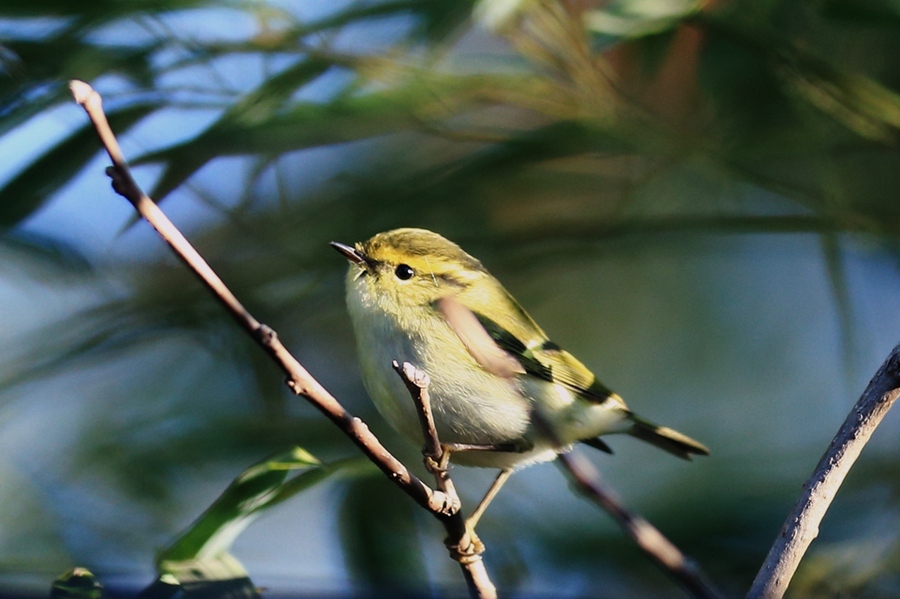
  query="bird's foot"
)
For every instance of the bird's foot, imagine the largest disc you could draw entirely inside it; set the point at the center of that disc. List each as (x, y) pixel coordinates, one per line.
(468, 549)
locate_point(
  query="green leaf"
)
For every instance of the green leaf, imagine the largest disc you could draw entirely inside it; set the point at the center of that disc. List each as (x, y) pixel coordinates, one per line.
(77, 583)
(256, 489)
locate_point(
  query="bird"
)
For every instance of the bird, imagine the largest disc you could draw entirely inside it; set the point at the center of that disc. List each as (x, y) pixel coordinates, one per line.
(503, 395)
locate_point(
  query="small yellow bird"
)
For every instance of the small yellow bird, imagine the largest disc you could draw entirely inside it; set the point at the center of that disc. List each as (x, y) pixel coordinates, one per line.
(502, 392)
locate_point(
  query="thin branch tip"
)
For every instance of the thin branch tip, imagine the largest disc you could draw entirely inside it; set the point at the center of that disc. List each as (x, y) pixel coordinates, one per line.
(411, 374)
(83, 93)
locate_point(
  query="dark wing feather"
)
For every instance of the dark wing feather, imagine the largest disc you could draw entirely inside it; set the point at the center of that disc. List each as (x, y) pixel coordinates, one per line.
(515, 332)
(596, 443)
(549, 362)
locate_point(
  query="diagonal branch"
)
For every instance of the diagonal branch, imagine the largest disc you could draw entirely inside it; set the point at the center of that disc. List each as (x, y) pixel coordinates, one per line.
(298, 379)
(802, 524)
(645, 535)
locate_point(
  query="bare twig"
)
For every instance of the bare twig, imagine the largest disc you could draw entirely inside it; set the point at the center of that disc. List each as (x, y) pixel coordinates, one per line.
(647, 537)
(459, 540)
(802, 525)
(417, 382)
(298, 379)
(436, 455)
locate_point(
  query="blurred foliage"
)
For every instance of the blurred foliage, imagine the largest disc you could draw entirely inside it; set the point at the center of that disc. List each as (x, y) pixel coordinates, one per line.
(536, 133)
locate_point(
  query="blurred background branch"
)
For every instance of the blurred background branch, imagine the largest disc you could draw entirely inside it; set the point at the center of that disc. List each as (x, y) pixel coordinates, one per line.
(645, 535)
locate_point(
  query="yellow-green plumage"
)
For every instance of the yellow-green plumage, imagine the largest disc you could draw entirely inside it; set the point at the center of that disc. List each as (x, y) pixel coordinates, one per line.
(399, 288)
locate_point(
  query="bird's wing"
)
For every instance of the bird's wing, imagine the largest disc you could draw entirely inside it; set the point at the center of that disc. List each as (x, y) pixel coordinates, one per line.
(547, 361)
(516, 333)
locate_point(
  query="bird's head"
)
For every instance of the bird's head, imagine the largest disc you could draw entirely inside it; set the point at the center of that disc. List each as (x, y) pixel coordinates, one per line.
(409, 267)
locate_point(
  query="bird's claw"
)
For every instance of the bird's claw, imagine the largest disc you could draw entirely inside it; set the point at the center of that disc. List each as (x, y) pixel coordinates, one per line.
(468, 549)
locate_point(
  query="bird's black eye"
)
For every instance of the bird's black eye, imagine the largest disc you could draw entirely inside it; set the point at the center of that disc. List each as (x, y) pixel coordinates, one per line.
(404, 272)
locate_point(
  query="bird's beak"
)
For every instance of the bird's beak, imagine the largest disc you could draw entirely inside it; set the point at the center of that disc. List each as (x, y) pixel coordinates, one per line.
(350, 253)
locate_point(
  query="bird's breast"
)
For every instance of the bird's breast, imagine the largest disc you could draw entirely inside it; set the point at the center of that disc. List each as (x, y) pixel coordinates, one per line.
(470, 405)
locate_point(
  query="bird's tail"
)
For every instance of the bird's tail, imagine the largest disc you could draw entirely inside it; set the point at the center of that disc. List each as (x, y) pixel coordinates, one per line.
(666, 439)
